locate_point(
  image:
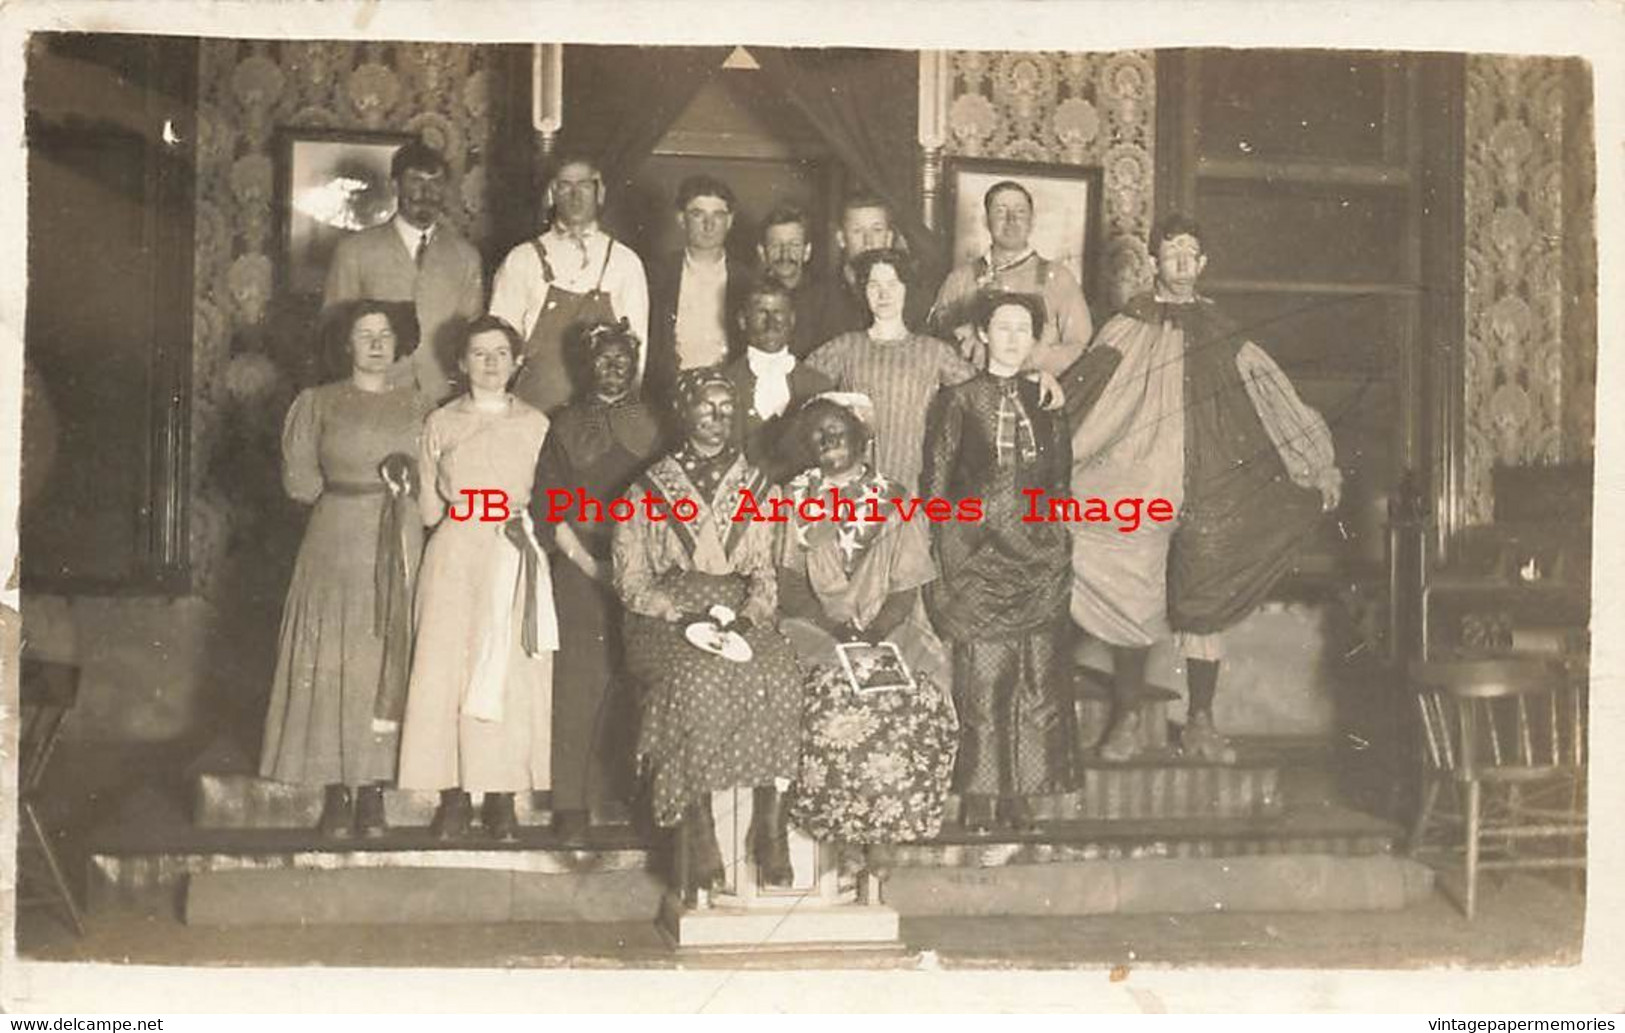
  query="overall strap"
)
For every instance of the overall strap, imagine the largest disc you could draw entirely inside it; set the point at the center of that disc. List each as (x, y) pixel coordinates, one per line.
(547, 267)
(609, 250)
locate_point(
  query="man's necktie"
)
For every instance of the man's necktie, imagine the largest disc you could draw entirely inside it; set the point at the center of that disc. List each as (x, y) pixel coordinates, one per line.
(423, 246)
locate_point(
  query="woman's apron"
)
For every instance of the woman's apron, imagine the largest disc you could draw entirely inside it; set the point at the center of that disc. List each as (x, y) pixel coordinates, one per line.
(546, 379)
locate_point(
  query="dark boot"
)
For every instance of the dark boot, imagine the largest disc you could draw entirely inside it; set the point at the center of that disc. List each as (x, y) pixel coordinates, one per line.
(452, 818)
(500, 819)
(976, 813)
(1122, 742)
(369, 812)
(337, 816)
(705, 869)
(770, 837)
(1016, 814)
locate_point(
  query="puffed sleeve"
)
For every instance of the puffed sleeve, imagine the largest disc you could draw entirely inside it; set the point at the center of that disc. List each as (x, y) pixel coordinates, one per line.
(1299, 434)
(430, 503)
(635, 578)
(301, 438)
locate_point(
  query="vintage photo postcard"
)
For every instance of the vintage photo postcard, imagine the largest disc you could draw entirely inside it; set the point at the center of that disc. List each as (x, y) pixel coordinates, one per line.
(1202, 398)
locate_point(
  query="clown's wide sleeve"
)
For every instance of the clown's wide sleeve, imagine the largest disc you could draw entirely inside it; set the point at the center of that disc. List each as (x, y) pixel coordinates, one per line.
(1301, 437)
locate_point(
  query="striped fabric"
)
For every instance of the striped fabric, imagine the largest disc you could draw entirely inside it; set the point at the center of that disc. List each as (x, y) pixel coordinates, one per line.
(902, 377)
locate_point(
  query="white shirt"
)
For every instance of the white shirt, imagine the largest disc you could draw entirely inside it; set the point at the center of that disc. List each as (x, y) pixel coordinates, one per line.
(518, 292)
(702, 337)
(410, 235)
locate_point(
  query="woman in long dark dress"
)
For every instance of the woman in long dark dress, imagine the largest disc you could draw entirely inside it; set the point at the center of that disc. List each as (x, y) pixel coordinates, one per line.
(874, 765)
(1002, 596)
(596, 445)
(710, 724)
(334, 717)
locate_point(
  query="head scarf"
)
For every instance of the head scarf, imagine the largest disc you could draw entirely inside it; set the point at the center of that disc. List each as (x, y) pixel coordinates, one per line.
(705, 471)
(692, 383)
(603, 335)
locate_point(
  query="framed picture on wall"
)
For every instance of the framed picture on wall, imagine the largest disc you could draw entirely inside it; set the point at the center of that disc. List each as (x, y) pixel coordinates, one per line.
(1066, 212)
(330, 183)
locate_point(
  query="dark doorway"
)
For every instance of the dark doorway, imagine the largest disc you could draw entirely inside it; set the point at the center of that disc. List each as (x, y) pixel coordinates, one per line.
(108, 334)
(741, 130)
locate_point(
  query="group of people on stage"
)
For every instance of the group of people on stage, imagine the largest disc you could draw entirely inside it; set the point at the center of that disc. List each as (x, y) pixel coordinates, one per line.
(503, 657)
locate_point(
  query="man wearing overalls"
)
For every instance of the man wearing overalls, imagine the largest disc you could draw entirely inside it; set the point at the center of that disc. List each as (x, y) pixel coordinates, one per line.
(571, 276)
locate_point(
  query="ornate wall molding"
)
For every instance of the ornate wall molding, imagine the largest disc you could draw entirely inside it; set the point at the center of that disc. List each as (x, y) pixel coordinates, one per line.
(1074, 109)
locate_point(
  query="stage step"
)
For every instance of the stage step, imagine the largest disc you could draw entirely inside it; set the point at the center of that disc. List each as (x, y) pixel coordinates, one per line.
(1324, 858)
(130, 866)
(1288, 882)
(420, 895)
(240, 801)
(1150, 788)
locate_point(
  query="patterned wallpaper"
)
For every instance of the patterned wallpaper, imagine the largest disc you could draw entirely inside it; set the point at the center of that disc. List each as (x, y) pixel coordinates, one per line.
(1530, 374)
(1075, 109)
(247, 90)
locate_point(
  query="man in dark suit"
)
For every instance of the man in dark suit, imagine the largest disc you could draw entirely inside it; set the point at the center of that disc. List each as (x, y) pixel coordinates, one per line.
(770, 383)
(692, 293)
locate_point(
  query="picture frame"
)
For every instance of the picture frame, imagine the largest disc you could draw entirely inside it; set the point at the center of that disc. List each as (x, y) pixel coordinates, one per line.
(875, 667)
(1066, 212)
(330, 183)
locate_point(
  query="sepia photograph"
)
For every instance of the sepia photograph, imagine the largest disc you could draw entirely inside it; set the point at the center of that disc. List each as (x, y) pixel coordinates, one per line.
(310, 671)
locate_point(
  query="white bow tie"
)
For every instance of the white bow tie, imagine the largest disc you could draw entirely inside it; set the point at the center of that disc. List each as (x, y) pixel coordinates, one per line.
(772, 372)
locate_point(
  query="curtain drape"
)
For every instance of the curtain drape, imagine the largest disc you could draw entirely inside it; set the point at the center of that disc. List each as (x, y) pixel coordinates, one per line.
(865, 103)
(622, 100)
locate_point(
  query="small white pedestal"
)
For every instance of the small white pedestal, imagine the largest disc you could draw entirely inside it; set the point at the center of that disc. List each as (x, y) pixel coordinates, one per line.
(812, 914)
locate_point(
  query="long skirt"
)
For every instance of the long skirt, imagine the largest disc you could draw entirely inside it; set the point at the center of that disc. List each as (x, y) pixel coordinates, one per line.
(1017, 735)
(710, 723)
(875, 766)
(441, 747)
(319, 726)
(593, 715)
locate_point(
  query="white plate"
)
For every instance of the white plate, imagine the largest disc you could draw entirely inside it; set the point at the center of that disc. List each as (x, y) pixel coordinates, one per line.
(727, 644)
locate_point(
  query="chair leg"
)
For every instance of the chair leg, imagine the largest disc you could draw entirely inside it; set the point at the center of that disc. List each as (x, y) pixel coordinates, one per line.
(1430, 796)
(1472, 848)
(57, 875)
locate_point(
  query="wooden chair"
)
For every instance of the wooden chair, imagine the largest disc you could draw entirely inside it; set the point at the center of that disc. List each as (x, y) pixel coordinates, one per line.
(1507, 737)
(48, 692)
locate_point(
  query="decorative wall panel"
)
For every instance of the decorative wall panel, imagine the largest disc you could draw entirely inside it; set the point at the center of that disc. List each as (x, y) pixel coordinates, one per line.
(247, 91)
(1073, 109)
(1530, 373)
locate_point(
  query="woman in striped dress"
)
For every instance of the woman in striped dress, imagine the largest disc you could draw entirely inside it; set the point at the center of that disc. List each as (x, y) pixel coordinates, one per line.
(898, 369)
